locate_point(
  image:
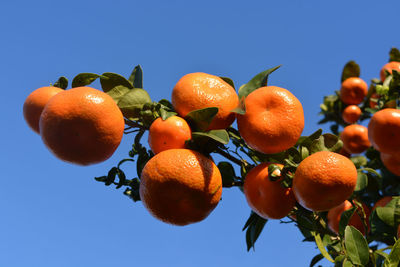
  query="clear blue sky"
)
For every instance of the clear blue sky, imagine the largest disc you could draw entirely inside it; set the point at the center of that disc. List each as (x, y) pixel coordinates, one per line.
(54, 214)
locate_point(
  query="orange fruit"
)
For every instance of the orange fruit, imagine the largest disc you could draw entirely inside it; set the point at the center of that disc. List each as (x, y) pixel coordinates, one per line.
(274, 120)
(268, 199)
(34, 105)
(169, 133)
(351, 114)
(384, 131)
(180, 186)
(353, 91)
(324, 180)
(82, 125)
(355, 138)
(200, 90)
(382, 202)
(391, 162)
(335, 213)
(393, 65)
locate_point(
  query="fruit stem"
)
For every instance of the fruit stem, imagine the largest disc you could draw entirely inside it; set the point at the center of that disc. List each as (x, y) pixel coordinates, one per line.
(225, 154)
(134, 124)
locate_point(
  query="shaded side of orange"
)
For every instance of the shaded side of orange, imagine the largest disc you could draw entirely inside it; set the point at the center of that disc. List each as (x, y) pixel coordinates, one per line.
(393, 65)
(82, 125)
(200, 90)
(180, 186)
(168, 134)
(392, 162)
(324, 180)
(355, 138)
(34, 105)
(335, 213)
(384, 131)
(353, 91)
(351, 114)
(274, 120)
(268, 199)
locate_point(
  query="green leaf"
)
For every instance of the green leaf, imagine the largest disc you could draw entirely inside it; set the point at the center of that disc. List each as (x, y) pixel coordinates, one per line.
(326, 142)
(394, 257)
(228, 81)
(256, 82)
(394, 54)
(362, 182)
(356, 246)
(241, 108)
(143, 158)
(136, 77)
(386, 214)
(118, 92)
(200, 119)
(166, 103)
(359, 161)
(344, 220)
(307, 140)
(132, 102)
(110, 80)
(321, 247)
(316, 259)
(62, 83)
(227, 173)
(83, 79)
(351, 69)
(220, 136)
(166, 114)
(254, 226)
(381, 253)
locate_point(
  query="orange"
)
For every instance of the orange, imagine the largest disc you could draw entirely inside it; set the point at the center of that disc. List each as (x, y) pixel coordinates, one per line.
(392, 162)
(274, 120)
(324, 180)
(268, 199)
(353, 91)
(351, 114)
(393, 65)
(335, 213)
(35, 103)
(82, 125)
(384, 131)
(382, 202)
(355, 138)
(169, 133)
(180, 186)
(200, 90)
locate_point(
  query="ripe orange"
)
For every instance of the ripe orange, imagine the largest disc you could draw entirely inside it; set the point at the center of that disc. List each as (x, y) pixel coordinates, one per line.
(355, 138)
(200, 90)
(273, 121)
(82, 125)
(171, 133)
(392, 162)
(180, 186)
(351, 114)
(335, 213)
(324, 180)
(268, 199)
(353, 91)
(384, 131)
(35, 103)
(393, 65)
(382, 202)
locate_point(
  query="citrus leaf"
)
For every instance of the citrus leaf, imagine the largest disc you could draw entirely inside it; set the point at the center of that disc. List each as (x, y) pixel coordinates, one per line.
(394, 54)
(386, 214)
(200, 119)
(356, 246)
(83, 79)
(166, 114)
(109, 80)
(381, 253)
(362, 181)
(256, 82)
(359, 161)
(394, 257)
(344, 220)
(132, 102)
(220, 136)
(118, 92)
(166, 103)
(347, 263)
(316, 259)
(241, 108)
(62, 83)
(136, 77)
(254, 226)
(321, 247)
(228, 81)
(307, 140)
(227, 173)
(351, 69)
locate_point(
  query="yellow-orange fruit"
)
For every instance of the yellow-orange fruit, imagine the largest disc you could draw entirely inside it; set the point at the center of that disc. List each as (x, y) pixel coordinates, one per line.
(82, 125)
(384, 131)
(324, 180)
(353, 91)
(391, 162)
(393, 65)
(274, 120)
(34, 105)
(355, 138)
(351, 114)
(268, 199)
(180, 186)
